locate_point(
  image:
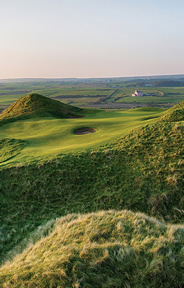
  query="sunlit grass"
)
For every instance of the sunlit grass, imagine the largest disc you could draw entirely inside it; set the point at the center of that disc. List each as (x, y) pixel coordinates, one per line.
(104, 249)
(51, 136)
(134, 161)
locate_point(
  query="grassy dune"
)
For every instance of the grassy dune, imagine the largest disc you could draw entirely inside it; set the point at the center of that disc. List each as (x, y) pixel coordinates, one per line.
(37, 105)
(176, 113)
(117, 167)
(104, 249)
(142, 171)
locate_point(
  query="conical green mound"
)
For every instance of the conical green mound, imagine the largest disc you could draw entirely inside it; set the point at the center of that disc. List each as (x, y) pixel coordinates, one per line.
(37, 105)
(176, 113)
(104, 249)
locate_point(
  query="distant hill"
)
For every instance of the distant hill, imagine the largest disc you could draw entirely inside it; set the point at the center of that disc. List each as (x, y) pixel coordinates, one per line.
(98, 250)
(168, 83)
(174, 114)
(151, 82)
(35, 105)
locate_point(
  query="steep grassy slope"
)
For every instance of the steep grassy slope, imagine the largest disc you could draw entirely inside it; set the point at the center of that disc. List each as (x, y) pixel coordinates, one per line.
(143, 171)
(104, 249)
(37, 105)
(10, 148)
(176, 113)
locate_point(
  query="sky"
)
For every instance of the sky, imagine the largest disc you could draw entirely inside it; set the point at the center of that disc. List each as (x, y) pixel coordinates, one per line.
(91, 38)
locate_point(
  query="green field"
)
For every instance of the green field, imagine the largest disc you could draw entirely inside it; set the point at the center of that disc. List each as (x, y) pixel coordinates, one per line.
(50, 136)
(92, 92)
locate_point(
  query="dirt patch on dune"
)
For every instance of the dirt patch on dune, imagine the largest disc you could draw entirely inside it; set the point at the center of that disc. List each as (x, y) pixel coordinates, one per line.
(84, 130)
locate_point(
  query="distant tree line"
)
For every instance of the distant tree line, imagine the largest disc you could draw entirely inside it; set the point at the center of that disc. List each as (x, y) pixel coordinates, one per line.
(158, 83)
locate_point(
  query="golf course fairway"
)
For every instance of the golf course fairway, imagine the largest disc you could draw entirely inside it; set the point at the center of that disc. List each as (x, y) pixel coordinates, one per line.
(50, 136)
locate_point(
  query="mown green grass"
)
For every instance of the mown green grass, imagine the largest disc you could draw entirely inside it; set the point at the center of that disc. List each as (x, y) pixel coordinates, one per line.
(104, 249)
(50, 136)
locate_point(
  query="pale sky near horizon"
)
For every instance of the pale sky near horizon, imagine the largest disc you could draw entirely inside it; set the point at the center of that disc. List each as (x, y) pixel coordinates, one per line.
(91, 38)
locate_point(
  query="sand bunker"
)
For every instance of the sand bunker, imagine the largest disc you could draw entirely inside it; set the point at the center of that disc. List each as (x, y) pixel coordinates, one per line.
(84, 130)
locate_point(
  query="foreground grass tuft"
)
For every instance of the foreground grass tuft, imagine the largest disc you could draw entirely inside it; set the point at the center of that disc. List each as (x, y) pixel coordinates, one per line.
(104, 249)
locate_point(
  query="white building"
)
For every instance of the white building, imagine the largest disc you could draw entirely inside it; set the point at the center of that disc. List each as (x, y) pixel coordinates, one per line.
(137, 93)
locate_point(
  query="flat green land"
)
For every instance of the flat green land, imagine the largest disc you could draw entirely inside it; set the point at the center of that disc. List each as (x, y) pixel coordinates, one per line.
(51, 136)
(90, 93)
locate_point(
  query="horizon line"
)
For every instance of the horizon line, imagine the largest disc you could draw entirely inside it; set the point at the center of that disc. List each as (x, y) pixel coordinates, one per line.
(80, 78)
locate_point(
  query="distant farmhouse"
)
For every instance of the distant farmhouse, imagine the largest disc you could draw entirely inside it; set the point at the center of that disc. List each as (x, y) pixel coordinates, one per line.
(137, 93)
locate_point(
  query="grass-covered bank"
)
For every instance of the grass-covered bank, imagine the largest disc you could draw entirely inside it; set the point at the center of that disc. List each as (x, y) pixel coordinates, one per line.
(104, 249)
(9, 148)
(142, 171)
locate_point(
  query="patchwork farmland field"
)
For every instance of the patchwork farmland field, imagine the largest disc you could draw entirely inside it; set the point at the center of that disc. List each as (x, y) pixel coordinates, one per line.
(102, 93)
